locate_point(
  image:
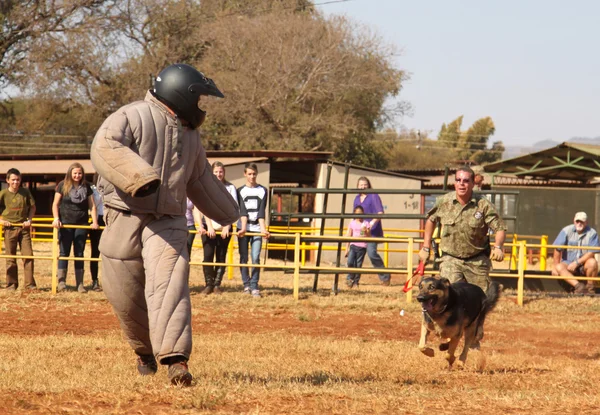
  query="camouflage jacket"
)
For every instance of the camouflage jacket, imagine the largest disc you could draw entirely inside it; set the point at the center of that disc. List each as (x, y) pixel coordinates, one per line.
(465, 228)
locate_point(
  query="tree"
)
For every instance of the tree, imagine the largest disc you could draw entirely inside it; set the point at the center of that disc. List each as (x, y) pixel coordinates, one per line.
(27, 25)
(412, 150)
(292, 79)
(471, 144)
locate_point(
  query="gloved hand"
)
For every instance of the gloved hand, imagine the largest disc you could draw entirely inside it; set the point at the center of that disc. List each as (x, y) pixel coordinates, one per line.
(497, 254)
(147, 189)
(424, 254)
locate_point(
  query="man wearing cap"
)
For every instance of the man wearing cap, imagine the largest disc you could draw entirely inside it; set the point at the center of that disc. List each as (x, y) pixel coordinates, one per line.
(577, 261)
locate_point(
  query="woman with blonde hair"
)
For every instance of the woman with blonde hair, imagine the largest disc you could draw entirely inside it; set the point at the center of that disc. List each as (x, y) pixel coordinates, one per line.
(72, 200)
(215, 246)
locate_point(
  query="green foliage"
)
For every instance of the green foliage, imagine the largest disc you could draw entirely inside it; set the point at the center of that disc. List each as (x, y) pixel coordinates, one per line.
(417, 151)
(362, 150)
(472, 143)
(450, 134)
(293, 79)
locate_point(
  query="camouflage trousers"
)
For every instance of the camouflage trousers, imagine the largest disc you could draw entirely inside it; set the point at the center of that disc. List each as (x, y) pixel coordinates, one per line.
(474, 270)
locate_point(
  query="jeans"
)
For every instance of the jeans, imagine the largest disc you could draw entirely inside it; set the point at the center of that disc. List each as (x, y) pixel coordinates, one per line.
(213, 275)
(94, 244)
(376, 260)
(255, 243)
(68, 237)
(356, 256)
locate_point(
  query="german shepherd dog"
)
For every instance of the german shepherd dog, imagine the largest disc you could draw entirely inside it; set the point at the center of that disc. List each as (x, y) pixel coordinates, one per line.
(454, 310)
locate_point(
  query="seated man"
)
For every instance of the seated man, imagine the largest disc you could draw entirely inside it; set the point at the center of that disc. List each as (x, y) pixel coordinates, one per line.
(577, 261)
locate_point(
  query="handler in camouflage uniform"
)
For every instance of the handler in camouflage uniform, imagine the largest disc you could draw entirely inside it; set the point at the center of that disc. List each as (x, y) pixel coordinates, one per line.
(466, 219)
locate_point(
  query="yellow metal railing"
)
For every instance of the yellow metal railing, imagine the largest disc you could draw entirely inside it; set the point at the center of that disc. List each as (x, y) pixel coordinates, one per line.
(301, 241)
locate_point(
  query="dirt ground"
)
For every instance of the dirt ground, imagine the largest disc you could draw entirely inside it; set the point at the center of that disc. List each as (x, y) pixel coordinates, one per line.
(369, 316)
(43, 316)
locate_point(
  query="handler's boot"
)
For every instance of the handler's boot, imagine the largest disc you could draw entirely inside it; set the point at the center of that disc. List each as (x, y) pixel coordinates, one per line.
(178, 373)
(79, 281)
(62, 280)
(147, 365)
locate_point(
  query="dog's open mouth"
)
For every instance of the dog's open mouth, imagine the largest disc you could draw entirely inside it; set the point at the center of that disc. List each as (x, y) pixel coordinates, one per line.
(428, 304)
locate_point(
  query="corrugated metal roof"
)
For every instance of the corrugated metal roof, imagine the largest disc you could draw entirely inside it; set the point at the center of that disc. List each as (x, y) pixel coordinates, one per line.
(567, 161)
(60, 167)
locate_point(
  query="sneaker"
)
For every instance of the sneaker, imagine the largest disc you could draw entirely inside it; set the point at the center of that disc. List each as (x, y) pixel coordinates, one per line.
(256, 293)
(217, 290)
(81, 289)
(31, 287)
(146, 365)
(11, 287)
(591, 289)
(179, 374)
(61, 286)
(247, 290)
(349, 283)
(96, 286)
(385, 283)
(207, 290)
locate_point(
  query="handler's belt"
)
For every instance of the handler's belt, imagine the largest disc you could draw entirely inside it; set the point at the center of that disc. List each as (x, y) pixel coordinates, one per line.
(463, 259)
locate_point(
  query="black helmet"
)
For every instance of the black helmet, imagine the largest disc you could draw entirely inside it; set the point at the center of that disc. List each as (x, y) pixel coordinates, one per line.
(179, 86)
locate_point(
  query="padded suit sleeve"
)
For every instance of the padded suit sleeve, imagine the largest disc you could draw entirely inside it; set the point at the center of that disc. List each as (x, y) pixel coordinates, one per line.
(115, 161)
(210, 196)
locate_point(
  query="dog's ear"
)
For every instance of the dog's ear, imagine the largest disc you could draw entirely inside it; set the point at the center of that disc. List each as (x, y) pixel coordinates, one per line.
(445, 282)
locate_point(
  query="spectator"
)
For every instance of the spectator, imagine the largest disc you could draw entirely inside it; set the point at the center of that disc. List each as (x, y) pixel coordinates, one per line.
(150, 156)
(466, 218)
(95, 235)
(355, 251)
(252, 198)
(478, 180)
(577, 261)
(191, 226)
(73, 199)
(17, 208)
(215, 246)
(371, 204)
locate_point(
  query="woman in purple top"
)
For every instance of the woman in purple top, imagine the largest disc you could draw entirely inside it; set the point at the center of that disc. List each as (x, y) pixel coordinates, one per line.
(371, 204)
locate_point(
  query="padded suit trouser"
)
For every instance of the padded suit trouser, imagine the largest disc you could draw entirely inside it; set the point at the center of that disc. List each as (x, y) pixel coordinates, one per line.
(145, 270)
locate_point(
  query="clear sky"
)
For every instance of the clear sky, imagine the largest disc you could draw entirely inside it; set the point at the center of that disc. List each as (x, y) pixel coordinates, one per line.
(532, 65)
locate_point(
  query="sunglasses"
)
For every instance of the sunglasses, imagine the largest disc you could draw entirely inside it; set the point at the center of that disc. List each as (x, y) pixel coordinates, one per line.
(462, 180)
(579, 221)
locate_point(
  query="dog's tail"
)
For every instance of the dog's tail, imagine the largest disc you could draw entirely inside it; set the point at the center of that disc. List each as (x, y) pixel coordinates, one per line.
(492, 296)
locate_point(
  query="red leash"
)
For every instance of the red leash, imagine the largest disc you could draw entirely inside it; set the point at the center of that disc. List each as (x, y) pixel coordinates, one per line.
(419, 272)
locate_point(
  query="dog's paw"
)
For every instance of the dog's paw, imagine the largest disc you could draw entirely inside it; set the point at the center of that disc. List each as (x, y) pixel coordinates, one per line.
(460, 365)
(444, 346)
(427, 351)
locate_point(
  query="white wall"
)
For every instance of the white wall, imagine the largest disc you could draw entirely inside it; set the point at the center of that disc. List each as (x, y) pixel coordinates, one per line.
(405, 204)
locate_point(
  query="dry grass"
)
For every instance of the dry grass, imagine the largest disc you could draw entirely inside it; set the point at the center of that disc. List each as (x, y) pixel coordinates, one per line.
(346, 354)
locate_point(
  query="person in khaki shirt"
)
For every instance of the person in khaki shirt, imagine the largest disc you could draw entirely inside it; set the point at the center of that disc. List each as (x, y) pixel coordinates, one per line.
(17, 208)
(466, 219)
